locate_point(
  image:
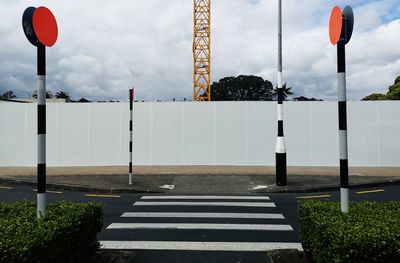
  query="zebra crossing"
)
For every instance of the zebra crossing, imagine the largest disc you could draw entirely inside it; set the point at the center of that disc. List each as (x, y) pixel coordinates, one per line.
(201, 223)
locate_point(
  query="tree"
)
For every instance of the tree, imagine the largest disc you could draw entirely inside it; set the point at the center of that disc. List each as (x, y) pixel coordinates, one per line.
(286, 92)
(49, 94)
(63, 95)
(83, 100)
(375, 96)
(9, 95)
(394, 90)
(392, 94)
(241, 88)
(303, 98)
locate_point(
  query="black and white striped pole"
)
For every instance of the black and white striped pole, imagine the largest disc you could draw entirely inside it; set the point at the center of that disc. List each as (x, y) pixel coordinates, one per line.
(131, 99)
(40, 27)
(280, 148)
(41, 130)
(340, 31)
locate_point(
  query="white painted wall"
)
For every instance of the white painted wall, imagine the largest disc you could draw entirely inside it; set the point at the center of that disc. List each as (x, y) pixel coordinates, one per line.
(217, 133)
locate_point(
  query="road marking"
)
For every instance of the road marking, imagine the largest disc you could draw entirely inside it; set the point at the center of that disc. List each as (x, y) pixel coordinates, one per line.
(189, 226)
(243, 204)
(204, 215)
(259, 187)
(196, 197)
(103, 196)
(313, 196)
(167, 186)
(199, 246)
(5, 187)
(371, 191)
(50, 192)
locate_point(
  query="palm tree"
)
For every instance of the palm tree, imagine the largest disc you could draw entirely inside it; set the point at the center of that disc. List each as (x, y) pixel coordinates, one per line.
(286, 92)
(63, 95)
(49, 94)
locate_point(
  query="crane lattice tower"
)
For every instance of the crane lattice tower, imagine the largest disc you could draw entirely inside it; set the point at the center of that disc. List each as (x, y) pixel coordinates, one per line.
(202, 50)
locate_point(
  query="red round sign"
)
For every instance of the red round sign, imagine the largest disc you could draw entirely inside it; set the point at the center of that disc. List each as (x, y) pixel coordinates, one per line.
(335, 25)
(45, 26)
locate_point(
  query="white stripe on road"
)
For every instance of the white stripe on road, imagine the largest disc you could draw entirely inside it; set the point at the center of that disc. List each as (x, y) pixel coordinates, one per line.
(204, 215)
(186, 226)
(243, 204)
(197, 197)
(199, 246)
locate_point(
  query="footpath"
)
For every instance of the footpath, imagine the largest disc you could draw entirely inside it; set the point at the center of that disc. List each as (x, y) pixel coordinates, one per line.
(199, 179)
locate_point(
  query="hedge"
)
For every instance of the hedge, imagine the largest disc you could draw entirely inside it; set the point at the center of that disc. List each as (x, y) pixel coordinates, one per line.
(370, 232)
(68, 234)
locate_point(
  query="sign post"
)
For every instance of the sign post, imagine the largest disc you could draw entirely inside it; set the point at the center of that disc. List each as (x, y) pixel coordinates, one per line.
(131, 99)
(340, 31)
(280, 148)
(40, 28)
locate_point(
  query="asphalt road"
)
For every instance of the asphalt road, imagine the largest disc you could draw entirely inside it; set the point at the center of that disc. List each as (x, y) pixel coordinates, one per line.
(166, 236)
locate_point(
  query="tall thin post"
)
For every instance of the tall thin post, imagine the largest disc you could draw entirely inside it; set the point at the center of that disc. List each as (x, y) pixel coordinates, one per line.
(344, 166)
(41, 130)
(280, 149)
(131, 98)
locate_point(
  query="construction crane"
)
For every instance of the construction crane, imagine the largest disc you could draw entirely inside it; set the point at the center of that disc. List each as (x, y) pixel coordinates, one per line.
(202, 51)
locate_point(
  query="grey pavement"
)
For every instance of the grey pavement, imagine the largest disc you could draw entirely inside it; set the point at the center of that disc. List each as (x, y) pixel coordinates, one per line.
(198, 179)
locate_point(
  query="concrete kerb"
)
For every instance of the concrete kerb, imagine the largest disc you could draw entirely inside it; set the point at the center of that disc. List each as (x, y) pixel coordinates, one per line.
(138, 189)
(325, 188)
(80, 188)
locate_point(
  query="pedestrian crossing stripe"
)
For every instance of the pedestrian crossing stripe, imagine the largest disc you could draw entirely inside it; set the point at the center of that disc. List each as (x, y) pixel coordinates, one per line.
(202, 215)
(197, 226)
(197, 197)
(242, 204)
(199, 246)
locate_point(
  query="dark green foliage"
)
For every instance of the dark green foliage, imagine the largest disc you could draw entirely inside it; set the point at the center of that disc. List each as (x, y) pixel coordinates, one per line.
(370, 232)
(286, 92)
(68, 234)
(63, 95)
(303, 98)
(376, 96)
(241, 88)
(49, 94)
(9, 95)
(392, 94)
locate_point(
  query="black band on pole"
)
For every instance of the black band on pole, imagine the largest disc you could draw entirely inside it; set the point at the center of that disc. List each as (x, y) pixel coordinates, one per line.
(342, 115)
(280, 95)
(41, 117)
(41, 60)
(341, 57)
(281, 178)
(41, 170)
(344, 171)
(280, 128)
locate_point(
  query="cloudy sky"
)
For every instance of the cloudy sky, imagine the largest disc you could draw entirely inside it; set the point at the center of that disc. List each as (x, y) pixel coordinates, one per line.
(105, 46)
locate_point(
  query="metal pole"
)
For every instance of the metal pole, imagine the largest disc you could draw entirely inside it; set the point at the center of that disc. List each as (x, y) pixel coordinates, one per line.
(344, 166)
(41, 129)
(130, 135)
(280, 149)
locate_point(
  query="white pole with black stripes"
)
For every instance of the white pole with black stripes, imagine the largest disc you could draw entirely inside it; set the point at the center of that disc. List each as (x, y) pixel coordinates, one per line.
(342, 109)
(340, 31)
(131, 98)
(41, 130)
(280, 149)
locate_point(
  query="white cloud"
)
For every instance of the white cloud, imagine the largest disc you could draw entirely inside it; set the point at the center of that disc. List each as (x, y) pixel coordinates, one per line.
(106, 46)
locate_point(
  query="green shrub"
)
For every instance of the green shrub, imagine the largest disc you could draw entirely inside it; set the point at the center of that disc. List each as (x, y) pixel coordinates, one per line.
(68, 234)
(370, 232)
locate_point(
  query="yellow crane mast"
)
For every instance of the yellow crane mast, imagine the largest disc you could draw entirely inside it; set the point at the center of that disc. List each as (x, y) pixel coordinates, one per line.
(202, 50)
